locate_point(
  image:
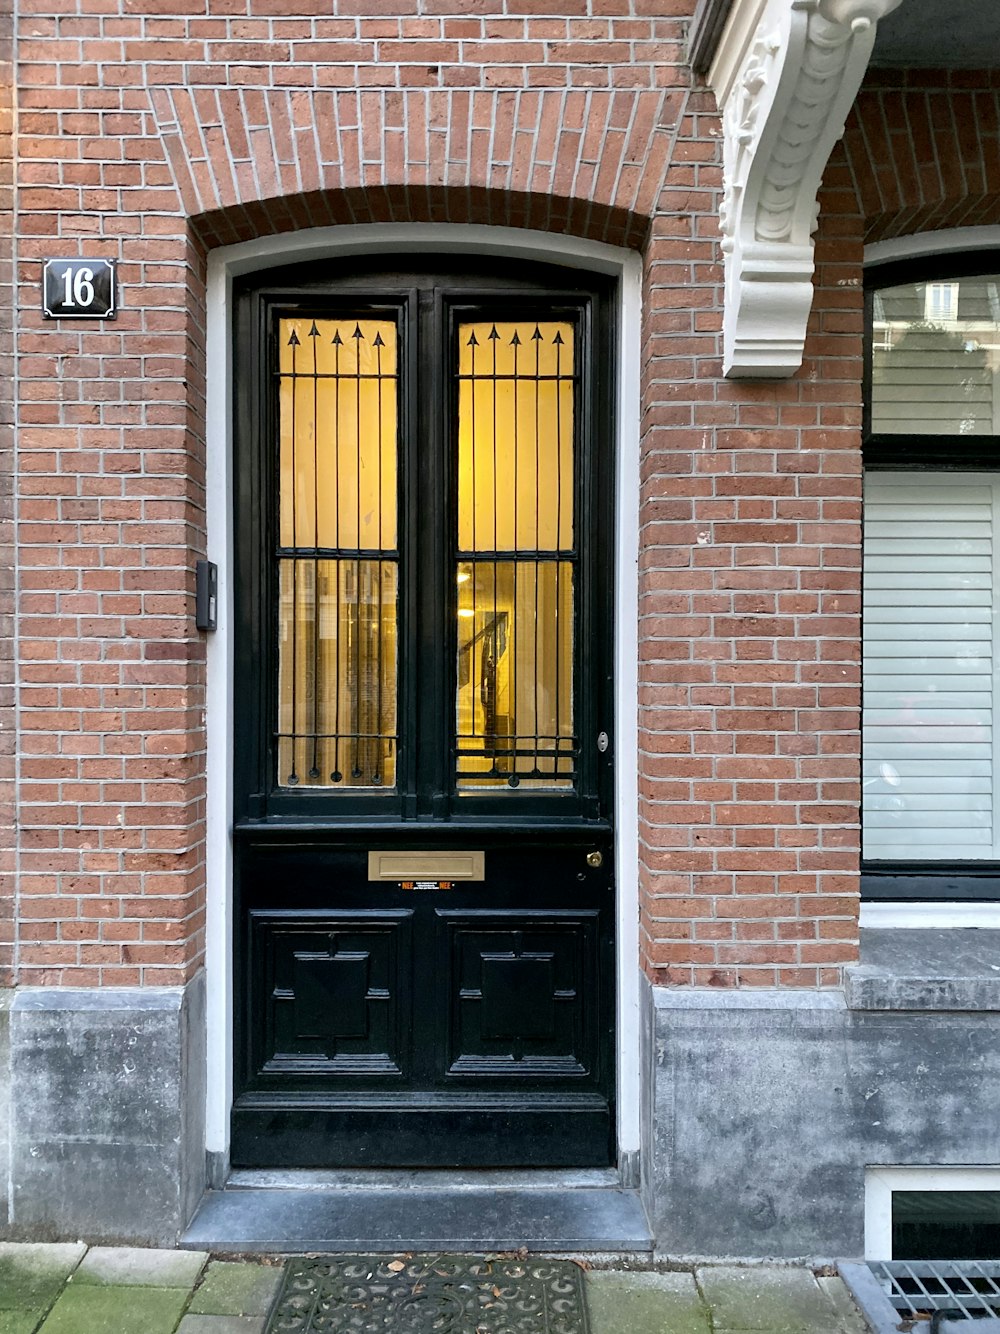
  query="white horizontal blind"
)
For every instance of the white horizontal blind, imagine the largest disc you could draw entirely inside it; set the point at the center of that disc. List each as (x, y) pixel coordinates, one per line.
(930, 627)
(929, 386)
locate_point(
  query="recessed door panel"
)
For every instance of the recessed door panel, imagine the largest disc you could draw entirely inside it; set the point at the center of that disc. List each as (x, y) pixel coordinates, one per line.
(520, 1006)
(424, 629)
(335, 989)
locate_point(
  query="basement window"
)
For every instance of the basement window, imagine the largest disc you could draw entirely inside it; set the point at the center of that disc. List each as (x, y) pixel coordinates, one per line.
(932, 1213)
(946, 1224)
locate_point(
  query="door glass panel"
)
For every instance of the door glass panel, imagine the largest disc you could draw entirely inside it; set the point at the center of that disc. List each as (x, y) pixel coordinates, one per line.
(516, 561)
(337, 556)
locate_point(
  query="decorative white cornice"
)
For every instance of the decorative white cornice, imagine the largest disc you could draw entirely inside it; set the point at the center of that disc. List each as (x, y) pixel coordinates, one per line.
(785, 75)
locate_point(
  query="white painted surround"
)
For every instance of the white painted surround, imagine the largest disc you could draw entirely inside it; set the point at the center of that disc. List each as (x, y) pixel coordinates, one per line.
(444, 239)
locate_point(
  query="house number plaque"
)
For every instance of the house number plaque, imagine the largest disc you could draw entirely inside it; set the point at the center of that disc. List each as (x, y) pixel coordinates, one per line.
(75, 289)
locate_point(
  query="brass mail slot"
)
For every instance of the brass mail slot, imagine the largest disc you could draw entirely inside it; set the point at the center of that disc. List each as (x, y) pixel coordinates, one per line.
(400, 866)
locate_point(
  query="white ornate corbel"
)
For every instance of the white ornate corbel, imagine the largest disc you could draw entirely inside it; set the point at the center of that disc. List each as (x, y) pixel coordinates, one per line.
(785, 75)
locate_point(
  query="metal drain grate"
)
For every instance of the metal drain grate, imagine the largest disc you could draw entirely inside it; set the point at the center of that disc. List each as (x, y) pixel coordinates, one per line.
(901, 1295)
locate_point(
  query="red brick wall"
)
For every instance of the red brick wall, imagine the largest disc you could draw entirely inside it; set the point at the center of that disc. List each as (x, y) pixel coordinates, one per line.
(8, 731)
(146, 137)
(923, 149)
(149, 138)
(750, 776)
(750, 604)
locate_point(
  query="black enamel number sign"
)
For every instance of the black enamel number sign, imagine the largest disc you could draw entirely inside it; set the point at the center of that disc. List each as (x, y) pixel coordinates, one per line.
(74, 289)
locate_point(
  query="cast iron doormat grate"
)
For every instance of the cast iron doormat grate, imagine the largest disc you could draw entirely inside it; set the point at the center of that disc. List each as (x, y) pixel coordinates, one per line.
(429, 1294)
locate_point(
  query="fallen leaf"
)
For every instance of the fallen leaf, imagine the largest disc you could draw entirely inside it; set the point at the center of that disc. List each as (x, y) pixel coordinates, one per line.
(496, 1291)
(395, 1266)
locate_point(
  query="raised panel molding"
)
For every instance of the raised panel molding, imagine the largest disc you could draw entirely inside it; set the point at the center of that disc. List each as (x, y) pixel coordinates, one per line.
(519, 1004)
(785, 76)
(331, 994)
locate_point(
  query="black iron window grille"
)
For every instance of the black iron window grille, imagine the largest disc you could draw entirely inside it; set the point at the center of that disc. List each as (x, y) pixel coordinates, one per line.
(516, 556)
(337, 555)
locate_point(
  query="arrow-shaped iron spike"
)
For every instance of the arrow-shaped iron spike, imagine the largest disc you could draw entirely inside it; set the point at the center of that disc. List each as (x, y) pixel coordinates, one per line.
(314, 332)
(558, 338)
(473, 340)
(336, 340)
(493, 334)
(536, 336)
(357, 332)
(294, 340)
(515, 341)
(378, 341)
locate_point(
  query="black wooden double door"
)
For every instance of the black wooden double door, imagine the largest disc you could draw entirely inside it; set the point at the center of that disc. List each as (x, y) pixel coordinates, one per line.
(424, 852)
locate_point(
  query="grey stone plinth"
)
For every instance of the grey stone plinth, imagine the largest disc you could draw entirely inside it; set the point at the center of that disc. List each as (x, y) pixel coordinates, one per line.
(5, 1000)
(766, 1108)
(106, 1112)
(926, 970)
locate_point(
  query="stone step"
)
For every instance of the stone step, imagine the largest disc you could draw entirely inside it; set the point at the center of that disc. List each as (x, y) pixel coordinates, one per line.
(581, 1219)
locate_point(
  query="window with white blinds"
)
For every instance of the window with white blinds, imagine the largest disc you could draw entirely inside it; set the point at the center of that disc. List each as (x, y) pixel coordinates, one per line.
(935, 358)
(930, 758)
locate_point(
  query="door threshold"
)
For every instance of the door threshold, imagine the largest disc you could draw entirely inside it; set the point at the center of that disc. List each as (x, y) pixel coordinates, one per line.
(349, 1212)
(429, 1178)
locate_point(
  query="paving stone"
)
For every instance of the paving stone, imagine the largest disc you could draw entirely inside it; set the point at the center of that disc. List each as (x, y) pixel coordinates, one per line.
(102, 1309)
(21, 1322)
(623, 1302)
(229, 1288)
(32, 1274)
(128, 1266)
(782, 1300)
(849, 1318)
(221, 1324)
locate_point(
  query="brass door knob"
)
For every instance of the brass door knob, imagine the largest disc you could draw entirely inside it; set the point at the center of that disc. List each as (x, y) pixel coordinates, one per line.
(595, 859)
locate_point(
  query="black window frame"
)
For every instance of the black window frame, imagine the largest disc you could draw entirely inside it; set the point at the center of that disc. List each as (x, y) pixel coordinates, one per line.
(425, 787)
(915, 880)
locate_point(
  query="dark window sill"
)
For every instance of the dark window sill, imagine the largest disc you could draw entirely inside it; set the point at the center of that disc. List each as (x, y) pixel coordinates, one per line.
(906, 882)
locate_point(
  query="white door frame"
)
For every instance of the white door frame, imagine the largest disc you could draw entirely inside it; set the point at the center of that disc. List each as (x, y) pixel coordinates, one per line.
(446, 239)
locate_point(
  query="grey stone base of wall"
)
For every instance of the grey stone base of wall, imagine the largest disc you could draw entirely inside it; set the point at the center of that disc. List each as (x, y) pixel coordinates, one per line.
(104, 1137)
(761, 1110)
(764, 1109)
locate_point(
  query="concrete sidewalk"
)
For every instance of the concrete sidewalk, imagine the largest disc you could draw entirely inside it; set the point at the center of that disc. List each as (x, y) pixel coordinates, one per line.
(68, 1289)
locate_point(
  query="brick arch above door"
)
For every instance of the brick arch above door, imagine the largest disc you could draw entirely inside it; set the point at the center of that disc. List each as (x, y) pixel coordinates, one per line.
(250, 162)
